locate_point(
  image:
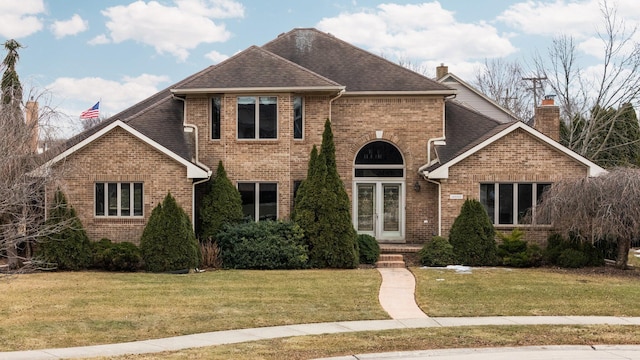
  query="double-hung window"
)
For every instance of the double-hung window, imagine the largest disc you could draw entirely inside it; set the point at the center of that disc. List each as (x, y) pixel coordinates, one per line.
(259, 200)
(257, 117)
(513, 203)
(122, 199)
(298, 122)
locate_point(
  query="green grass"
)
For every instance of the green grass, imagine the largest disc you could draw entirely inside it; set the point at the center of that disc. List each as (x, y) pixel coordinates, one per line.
(524, 292)
(85, 308)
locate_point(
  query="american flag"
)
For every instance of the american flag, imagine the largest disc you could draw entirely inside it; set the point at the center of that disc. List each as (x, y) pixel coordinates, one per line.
(91, 113)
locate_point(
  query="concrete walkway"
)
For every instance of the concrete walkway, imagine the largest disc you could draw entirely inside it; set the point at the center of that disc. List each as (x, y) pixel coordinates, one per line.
(397, 288)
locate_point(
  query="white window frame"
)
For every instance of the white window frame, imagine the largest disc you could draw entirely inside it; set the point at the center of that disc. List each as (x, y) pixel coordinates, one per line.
(256, 135)
(118, 197)
(514, 204)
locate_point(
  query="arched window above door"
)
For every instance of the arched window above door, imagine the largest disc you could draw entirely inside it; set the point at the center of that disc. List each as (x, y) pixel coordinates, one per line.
(379, 159)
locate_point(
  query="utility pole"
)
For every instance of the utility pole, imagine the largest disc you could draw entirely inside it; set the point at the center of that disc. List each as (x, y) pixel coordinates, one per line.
(537, 83)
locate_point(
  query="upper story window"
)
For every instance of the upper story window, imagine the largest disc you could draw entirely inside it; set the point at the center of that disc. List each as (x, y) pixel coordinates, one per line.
(513, 203)
(118, 199)
(216, 106)
(298, 123)
(257, 117)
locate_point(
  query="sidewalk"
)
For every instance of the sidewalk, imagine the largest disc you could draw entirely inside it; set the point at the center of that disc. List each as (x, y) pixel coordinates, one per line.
(398, 286)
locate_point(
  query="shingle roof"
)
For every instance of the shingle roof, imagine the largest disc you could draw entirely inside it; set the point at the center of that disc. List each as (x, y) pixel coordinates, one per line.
(464, 129)
(256, 68)
(346, 64)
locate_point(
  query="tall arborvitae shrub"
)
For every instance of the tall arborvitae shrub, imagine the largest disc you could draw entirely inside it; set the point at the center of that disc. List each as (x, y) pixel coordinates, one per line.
(221, 206)
(472, 236)
(69, 248)
(323, 211)
(168, 242)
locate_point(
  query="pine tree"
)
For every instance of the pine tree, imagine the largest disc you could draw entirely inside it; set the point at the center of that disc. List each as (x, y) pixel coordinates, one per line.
(473, 236)
(221, 206)
(69, 248)
(168, 242)
(323, 210)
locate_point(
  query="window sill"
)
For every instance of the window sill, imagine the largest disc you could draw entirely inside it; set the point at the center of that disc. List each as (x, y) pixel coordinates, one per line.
(526, 226)
(119, 219)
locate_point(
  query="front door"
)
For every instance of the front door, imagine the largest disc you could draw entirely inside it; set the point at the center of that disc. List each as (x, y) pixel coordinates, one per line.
(379, 209)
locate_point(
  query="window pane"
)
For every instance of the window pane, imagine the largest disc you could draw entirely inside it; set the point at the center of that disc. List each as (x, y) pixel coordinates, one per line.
(246, 117)
(379, 172)
(125, 199)
(100, 199)
(525, 203)
(268, 117)
(137, 199)
(215, 118)
(113, 198)
(505, 201)
(297, 117)
(366, 210)
(379, 153)
(488, 200)
(248, 195)
(268, 202)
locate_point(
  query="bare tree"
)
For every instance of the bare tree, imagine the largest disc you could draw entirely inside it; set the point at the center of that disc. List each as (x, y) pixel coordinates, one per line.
(22, 195)
(600, 208)
(592, 105)
(504, 81)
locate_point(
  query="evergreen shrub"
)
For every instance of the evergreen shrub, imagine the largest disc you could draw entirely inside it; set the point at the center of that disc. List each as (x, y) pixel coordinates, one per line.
(263, 245)
(123, 256)
(472, 236)
(564, 252)
(168, 242)
(437, 252)
(516, 252)
(369, 249)
(222, 205)
(69, 248)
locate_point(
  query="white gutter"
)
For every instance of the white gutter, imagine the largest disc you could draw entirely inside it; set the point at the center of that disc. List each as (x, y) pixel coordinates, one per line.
(331, 102)
(298, 89)
(439, 203)
(388, 92)
(197, 161)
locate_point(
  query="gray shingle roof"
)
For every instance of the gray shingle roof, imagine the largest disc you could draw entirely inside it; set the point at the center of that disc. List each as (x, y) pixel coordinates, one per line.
(346, 64)
(465, 128)
(256, 68)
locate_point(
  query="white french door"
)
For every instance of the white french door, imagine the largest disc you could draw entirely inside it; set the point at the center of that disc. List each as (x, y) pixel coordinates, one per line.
(379, 209)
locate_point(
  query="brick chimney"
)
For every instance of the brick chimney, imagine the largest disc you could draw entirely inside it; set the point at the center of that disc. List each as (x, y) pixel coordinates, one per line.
(441, 71)
(547, 118)
(32, 124)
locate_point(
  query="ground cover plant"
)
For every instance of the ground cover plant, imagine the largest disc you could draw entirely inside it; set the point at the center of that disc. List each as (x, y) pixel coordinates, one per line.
(86, 308)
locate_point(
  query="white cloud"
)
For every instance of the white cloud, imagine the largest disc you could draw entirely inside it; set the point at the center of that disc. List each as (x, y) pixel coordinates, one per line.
(73, 26)
(216, 57)
(19, 18)
(171, 29)
(422, 31)
(99, 40)
(116, 95)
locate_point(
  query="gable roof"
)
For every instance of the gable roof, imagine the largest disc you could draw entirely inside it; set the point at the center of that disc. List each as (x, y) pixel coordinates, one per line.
(253, 69)
(193, 171)
(355, 68)
(468, 132)
(474, 98)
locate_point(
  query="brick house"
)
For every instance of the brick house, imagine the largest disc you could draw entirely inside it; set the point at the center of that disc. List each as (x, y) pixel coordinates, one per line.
(407, 151)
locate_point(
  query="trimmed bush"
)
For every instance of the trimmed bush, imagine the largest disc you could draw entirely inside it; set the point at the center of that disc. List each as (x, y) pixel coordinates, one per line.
(168, 242)
(123, 256)
(69, 248)
(564, 253)
(369, 249)
(437, 252)
(263, 245)
(472, 236)
(516, 252)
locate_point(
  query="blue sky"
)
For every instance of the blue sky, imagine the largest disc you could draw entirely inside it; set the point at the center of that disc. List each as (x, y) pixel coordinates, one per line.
(122, 51)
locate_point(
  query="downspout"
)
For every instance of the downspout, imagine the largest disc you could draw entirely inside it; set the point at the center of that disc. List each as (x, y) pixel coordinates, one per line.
(439, 203)
(332, 100)
(197, 159)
